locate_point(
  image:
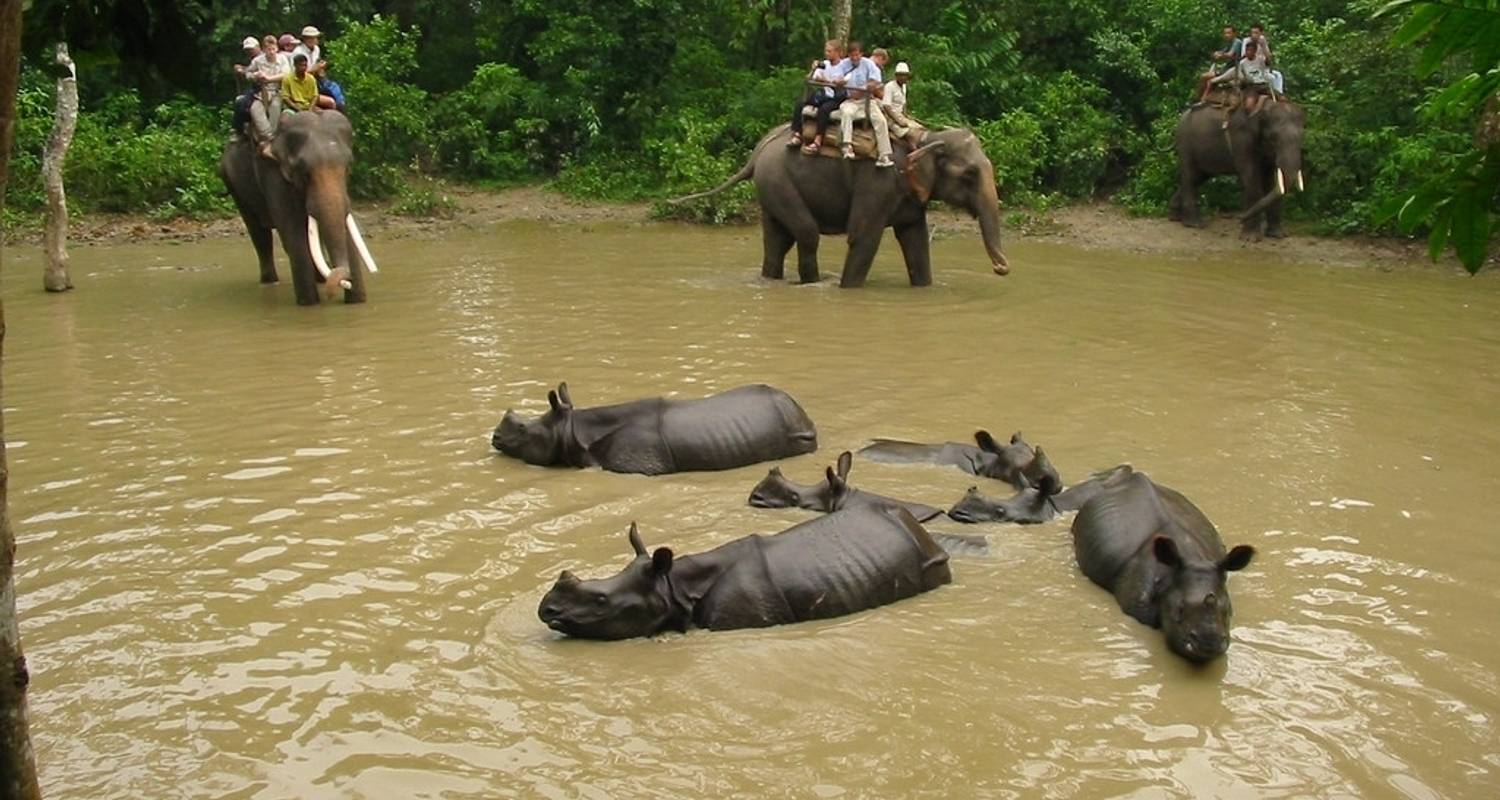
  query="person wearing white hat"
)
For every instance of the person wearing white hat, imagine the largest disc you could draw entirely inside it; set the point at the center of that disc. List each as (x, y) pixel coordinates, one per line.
(309, 47)
(252, 49)
(894, 103)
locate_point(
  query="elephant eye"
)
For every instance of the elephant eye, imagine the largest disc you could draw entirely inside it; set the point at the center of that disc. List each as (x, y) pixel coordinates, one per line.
(600, 599)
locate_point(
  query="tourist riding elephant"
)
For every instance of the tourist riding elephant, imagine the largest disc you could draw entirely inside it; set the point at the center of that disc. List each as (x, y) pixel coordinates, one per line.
(1263, 148)
(304, 195)
(802, 197)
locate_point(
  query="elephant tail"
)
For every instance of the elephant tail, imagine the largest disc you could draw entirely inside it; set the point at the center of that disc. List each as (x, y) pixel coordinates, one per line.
(746, 172)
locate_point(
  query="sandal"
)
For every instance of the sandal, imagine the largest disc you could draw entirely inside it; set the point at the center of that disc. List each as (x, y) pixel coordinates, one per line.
(811, 148)
(795, 141)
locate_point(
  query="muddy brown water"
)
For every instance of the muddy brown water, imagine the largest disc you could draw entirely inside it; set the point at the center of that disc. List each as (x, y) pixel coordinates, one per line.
(266, 551)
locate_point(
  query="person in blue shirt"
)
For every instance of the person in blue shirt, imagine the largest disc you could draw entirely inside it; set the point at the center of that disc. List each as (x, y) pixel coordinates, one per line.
(866, 85)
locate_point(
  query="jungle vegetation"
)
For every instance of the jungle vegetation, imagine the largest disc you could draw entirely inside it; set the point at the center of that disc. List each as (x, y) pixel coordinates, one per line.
(645, 99)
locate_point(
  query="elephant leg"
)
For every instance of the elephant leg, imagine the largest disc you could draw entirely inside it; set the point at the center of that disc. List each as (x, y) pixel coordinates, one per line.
(914, 246)
(776, 242)
(1186, 197)
(1254, 185)
(862, 248)
(356, 292)
(260, 236)
(780, 201)
(304, 285)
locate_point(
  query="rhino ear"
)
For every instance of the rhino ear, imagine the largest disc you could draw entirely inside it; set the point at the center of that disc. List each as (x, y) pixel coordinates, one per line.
(986, 441)
(1015, 438)
(661, 561)
(1238, 558)
(555, 403)
(846, 463)
(775, 471)
(564, 396)
(838, 490)
(1165, 551)
(635, 540)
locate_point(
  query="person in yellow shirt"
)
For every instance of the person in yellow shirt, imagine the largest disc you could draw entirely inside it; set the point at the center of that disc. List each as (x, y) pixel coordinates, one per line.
(300, 89)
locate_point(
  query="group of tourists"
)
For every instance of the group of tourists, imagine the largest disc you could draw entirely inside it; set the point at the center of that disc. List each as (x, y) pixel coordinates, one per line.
(282, 75)
(854, 85)
(1250, 67)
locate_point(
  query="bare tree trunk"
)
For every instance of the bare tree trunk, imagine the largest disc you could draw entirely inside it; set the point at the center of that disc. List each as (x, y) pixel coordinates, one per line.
(17, 764)
(842, 10)
(55, 235)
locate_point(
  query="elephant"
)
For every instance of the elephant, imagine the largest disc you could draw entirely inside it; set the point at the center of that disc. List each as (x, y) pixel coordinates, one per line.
(829, 566)
(303, 194)
(1263, 147)
(802, 197)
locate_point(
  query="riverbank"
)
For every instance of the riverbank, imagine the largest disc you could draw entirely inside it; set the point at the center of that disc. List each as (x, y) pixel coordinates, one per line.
(1094, 226)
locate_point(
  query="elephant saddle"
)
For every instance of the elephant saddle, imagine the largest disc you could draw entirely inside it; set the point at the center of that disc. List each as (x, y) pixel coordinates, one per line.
(864, 135)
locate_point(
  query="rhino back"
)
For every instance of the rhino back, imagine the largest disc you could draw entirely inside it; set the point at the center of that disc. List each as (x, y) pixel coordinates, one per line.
(735, 428)
(854, 559)
(1114, 525)
(860, 498)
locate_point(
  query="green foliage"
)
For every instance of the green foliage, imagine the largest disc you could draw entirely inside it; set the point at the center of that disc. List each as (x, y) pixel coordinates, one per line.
(654, 98)
(374, 62)
(1458, 200)
(424, 198)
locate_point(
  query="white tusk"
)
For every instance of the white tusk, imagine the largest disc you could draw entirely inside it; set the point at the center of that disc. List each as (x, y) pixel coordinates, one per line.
(1280, 182)
(359, 244)
(315, 244)
(1300, 187)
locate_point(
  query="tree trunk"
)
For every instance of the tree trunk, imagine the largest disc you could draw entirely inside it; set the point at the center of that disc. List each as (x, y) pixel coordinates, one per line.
(842, 10)
(17, 765)
(55, 235)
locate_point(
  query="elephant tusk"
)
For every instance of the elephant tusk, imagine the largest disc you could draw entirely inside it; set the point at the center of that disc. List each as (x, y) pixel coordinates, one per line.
(315, 244)
(1280, 182)
(1300, 187)
(359, 244)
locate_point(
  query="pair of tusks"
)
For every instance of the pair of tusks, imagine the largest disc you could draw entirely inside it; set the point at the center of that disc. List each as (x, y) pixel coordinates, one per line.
(1281, 182)
(315, 244)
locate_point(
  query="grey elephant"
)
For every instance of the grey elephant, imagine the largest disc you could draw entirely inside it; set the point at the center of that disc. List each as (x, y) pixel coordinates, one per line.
(304, 196)
(802, 197)
(1264, 148)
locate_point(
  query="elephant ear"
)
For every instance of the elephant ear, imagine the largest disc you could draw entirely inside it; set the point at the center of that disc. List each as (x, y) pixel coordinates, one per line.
(922, 170)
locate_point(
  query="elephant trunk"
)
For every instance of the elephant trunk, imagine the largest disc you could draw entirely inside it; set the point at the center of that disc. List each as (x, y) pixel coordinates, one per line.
(988, 214)
(1287, 178)
(327, 230)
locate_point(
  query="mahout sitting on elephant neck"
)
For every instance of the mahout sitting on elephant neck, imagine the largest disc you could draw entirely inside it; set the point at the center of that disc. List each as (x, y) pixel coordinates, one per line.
(1163, 561)
(656, 436)
(837, 564)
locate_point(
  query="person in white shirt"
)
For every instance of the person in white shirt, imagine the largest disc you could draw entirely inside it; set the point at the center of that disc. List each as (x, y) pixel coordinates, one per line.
(894, 103)
(864, 79)
(309, 47)
(267, 70)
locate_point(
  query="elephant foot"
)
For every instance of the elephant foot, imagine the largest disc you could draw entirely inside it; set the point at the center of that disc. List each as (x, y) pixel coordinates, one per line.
(1275, 233)
(1249, 235)
(271, 281)
(1194, 222)
(351, 297)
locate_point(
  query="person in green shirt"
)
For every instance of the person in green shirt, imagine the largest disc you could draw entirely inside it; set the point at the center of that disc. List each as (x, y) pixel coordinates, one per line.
(300, 89)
